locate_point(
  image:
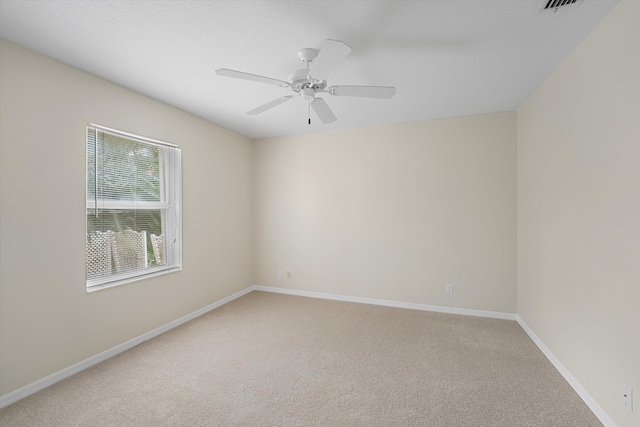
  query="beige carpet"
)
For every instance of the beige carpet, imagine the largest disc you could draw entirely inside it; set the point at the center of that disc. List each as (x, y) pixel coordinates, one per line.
(275, 360)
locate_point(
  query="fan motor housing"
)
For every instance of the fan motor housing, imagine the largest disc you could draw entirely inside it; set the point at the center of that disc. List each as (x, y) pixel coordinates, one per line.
(300, 79)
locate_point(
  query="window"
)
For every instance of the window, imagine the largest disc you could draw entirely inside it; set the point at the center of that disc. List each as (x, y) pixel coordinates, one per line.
(133, 207)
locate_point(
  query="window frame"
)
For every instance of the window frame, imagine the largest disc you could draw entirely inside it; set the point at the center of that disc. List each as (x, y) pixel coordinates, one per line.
(170, 203)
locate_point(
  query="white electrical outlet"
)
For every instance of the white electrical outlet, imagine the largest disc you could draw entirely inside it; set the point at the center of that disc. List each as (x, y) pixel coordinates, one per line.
(627, 396)
(288, 275)
(449, 289)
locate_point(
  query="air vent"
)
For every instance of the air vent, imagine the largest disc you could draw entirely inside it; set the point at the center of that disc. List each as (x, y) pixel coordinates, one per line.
(554, 5)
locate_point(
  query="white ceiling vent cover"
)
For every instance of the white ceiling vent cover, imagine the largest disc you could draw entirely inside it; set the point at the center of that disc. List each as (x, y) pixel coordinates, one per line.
(554, 5)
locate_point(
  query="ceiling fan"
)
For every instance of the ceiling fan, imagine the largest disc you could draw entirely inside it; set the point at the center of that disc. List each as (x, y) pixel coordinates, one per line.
(311, 80)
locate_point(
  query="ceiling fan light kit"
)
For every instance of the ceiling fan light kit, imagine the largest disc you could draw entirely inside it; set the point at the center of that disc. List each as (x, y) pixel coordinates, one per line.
(311, 80)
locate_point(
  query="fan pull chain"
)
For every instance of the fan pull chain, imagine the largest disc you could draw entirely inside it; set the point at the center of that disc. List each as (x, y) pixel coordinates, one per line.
(306, 63)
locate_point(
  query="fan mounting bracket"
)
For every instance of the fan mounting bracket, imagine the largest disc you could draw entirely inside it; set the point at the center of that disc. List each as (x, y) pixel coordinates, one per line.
(307, 55)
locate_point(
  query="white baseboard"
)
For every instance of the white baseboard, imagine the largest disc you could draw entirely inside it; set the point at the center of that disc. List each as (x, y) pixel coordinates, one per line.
(388, 303)
(573, 382)
(42, 383)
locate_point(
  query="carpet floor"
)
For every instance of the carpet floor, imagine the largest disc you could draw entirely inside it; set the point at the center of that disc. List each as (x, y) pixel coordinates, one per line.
(277, 360)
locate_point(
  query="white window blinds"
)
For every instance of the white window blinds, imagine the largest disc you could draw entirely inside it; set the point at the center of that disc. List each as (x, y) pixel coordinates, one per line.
(133, 207)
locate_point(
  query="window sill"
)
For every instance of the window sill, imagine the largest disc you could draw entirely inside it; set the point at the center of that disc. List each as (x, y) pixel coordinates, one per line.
(124, 281)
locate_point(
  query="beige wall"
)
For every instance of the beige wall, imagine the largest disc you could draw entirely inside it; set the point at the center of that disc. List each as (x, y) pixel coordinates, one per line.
(579, 212)
(392, 212)
(47, 319)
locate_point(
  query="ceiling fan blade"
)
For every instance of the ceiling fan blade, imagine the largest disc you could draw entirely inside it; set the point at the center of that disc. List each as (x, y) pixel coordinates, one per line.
(270, 105)
(330, 55)
(323, 111)
(379, 92)
(252, 77)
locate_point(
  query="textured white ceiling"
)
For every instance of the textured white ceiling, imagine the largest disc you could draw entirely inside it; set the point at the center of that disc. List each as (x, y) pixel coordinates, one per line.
(446, 58)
